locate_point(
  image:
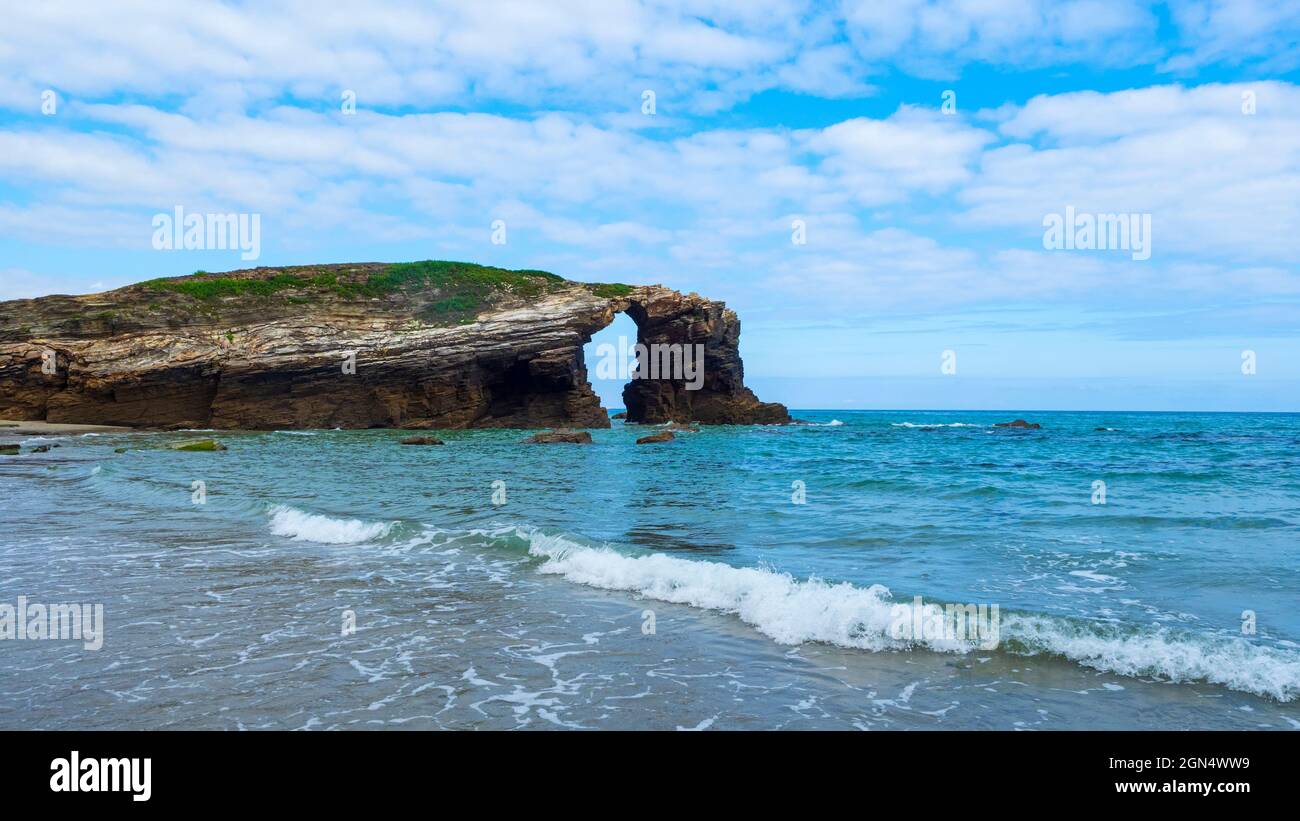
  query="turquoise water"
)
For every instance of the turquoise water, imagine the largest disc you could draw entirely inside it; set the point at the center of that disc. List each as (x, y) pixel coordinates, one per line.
(496, 584)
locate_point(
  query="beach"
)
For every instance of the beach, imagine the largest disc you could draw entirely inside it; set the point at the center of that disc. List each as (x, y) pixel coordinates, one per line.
(335, 579)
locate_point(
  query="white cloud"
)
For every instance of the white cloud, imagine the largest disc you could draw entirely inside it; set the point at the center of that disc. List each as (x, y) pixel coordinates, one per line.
(1236, 31)
(937, 37)
(1215, 180)
(888, 201)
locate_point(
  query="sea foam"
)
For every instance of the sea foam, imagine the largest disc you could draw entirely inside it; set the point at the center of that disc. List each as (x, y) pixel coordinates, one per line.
(313, 527)
(793, 611)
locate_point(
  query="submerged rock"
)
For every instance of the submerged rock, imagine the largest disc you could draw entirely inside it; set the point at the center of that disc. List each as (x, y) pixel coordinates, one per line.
(662, 436)
(203, 445)
(422, 440)
(559, 437)
(41, 449)
(8, 450)
(1019, 423)
(619, 415)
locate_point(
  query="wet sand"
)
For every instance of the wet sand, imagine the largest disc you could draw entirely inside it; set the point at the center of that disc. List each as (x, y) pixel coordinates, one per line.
(16, 428)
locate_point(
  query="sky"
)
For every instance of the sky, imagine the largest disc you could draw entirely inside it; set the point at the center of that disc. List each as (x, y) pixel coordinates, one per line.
(869, 185)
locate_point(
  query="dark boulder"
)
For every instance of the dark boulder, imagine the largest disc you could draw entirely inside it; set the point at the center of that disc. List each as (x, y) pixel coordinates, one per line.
(662, 436)
(559, 437)
(422, 440)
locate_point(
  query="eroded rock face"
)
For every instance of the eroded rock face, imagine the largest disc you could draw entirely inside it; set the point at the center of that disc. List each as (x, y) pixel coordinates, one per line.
(314, 358)
(666, 317)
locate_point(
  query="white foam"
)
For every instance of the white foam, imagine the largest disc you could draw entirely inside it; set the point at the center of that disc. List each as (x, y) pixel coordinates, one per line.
(935, 425)
(313, 527)
(1159, 653)
(792, 611)
(785, 609)
(1094, 576)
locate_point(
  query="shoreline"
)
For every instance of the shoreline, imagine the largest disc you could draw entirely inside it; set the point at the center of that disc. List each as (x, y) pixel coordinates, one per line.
(14, 427)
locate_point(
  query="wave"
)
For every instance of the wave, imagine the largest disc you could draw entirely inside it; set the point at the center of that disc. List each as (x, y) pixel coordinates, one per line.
(935, 425)
(1160, 653)
(793, 611)
(783, 608)
(314, 527)
(834, 423)
(297, 432)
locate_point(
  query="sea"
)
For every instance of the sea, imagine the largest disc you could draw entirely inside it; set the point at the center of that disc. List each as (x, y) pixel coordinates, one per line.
(1120, 570)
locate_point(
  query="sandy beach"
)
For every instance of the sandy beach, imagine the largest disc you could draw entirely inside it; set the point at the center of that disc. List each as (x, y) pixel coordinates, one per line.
(12, 427)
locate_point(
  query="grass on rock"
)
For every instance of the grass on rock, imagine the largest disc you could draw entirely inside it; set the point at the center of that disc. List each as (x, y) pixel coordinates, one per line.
(462, 288)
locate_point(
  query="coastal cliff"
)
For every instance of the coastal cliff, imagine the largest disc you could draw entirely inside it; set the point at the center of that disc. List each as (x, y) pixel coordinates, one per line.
(410, 345)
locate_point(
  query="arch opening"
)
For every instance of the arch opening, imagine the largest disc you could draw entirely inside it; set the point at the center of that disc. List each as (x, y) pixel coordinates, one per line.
(610, 359)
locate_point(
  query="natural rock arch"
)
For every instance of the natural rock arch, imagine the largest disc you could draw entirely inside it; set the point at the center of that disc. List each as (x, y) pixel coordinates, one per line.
(516, 364)
(668, 318)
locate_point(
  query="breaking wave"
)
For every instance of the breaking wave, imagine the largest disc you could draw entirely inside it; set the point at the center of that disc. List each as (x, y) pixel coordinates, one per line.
(793, 611)
(313, 527)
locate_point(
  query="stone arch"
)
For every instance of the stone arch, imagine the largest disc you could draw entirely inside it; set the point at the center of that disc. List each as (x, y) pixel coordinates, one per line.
(671, 324)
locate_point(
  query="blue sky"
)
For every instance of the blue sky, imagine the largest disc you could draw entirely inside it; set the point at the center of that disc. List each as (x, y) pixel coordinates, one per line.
(924, 227)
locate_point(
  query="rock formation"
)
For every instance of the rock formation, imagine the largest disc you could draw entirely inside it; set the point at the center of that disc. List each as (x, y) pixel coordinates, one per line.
(422, 440)
(654, 438)
(1018, 423)
(559, 437)
(415, 345)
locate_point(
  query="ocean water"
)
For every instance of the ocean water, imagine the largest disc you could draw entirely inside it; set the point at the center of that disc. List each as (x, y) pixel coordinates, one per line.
(737, 578)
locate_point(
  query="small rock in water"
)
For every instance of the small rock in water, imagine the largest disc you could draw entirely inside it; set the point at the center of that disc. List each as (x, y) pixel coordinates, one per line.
(201, 445)
(555, 437)
(422, 440)
(9, 450)
(619, 416)
(41, 449)
(663, 436)
(1019, 423)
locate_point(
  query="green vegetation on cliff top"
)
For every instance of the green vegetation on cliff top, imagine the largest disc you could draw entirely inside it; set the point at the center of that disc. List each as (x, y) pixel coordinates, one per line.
(463, 287)
(437, 274)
